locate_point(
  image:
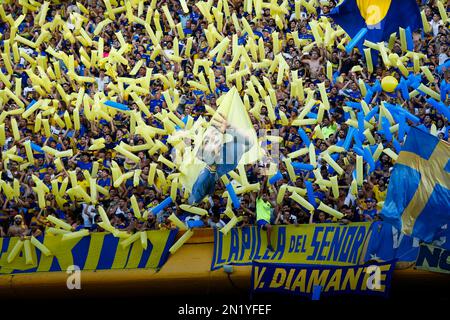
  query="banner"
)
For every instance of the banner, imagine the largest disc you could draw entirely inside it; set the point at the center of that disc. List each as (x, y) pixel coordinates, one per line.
(294, 279)
(312, 244)
(386, 243)
(433, 258)
(97, 251)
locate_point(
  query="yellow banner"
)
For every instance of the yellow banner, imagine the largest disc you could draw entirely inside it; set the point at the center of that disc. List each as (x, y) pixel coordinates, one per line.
(96, 251)
(325, 244)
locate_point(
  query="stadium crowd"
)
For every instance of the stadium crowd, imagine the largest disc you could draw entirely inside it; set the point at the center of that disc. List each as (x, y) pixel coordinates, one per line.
(22, 216)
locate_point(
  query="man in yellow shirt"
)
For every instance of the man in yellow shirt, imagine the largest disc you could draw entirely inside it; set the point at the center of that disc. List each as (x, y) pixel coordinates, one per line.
(264, 212)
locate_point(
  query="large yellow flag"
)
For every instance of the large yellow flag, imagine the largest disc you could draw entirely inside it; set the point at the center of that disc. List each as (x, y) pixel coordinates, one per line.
(232, 107)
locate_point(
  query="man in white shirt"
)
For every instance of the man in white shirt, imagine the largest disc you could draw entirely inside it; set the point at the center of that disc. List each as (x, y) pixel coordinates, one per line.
(435, 24)
(102, 81)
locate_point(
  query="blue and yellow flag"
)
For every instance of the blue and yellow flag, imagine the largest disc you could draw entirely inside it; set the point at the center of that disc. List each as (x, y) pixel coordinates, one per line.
(380, 17)
(418, 198)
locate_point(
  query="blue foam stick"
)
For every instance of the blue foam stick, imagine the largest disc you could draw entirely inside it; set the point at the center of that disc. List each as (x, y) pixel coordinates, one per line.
(312, 115)
(440, 107)
(30, 104)
(361, 128)
(409, 39)
(371, 113)
(159, 207)
(397, 145)
(335, 76)
(354, 105)
(36, 148)
(316, 292)
(404, 89)
(358, 151)
(310, 194)
(117, 105)
(386, 125)
(277, 177)
(302, 166)
(358, 141)
(356, 39)
(410, 116)
(377, 86)
(441, 67)
(444, 88)
(348, 138)
(368, 96)
(304, 137)
(369, 159)
(414, 81)
(233, 196)
(401, 126)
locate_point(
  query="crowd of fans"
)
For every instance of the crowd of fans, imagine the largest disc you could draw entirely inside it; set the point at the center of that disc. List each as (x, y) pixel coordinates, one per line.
(22, 216)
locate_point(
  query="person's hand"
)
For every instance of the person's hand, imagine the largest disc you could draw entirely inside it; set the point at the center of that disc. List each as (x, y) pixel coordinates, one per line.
(219, 121)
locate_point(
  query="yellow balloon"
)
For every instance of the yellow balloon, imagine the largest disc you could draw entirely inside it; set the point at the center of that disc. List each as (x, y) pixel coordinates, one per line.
(389, 83)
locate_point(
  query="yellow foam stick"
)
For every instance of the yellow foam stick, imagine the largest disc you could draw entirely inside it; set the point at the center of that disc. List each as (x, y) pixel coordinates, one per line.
(194, 210)
(425, 23)
(168, 17)
(403, 40)
(64, 154)
(442, 11)
(369, 136)
(416, 63)
(18, 87)
(402, 68)
(27, 250)
(167, 162)
(143, 237)
(103, 214)
(186, 236)
(429, 92)
(177, 222)
(136, 67)
(100, 26)
(28, 151)
(135, 206)
(7, 63)
(15, 129)
(151, 174)
(127, 154)
(36, 243)
(323, 207)
(359, 170)
(59, 223)
(298, 153)
(334, 186)
(174, 189)
(323, 95)
(281, 193)
(391, 154)
(16, 55)
(184, 6)
(333, 163)
(312, 155)
(290, 169)
(58, 120)
(15, 251)
(75, 235)
(80, 192)
(136, 176)
(234, 220)
(14, 97)
(302, 201)
(426, 71)
(126, 243)
(93, 190)
(5, 79)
